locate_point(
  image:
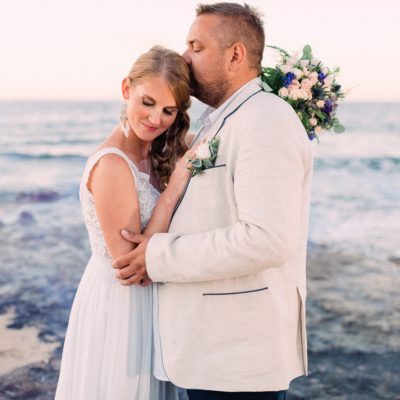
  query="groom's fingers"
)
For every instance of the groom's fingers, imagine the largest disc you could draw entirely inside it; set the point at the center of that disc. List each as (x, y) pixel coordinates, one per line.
(129, 271)
(132, 237)
(135, 279)
(123, 261)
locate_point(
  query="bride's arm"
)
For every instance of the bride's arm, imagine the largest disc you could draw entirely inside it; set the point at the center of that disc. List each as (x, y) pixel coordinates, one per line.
(117, 206)
(115, 198)
(165, 207)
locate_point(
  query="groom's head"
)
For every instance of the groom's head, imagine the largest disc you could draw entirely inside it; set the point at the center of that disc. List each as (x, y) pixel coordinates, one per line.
(224, 50)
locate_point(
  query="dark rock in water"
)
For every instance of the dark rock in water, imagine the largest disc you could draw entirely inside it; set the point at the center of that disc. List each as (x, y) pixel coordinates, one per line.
(48, 336)
(34, 381)
(15, 325)
(394, 260)
(39, 197)
(26, 218)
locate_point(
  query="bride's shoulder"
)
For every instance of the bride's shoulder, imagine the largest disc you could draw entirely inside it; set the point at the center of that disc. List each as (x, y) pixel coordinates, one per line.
(109, 169)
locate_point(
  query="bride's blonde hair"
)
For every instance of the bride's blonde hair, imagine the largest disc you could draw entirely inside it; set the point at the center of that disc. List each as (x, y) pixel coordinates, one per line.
(168, 147)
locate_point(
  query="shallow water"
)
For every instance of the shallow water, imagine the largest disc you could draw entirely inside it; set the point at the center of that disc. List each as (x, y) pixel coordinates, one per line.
(354, 257)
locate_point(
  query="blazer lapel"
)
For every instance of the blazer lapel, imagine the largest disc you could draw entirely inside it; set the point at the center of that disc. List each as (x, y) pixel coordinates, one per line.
(246, 94)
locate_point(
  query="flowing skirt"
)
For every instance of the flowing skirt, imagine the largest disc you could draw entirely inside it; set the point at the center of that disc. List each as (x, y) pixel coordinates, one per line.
(108, 349)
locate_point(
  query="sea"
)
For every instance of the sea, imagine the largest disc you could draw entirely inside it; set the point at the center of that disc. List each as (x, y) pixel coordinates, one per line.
(354, 241)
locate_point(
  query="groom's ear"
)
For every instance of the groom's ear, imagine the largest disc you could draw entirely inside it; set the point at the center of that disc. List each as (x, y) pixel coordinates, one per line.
(238, 56)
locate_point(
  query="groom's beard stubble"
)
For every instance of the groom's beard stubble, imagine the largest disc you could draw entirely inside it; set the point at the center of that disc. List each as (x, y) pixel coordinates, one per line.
(211, 92)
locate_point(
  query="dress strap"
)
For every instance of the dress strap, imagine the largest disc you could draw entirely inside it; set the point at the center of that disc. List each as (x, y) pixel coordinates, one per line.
(95, 158)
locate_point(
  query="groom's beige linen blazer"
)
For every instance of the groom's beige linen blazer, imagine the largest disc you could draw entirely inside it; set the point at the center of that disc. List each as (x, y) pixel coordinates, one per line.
(232, 301)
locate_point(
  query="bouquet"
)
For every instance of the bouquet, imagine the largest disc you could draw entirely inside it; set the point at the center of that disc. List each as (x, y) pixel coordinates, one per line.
(309, 87)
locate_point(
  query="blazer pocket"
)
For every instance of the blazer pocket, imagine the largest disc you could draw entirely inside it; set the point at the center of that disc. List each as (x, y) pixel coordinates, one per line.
(238, 335)
(233, 293)
(207, 192)
(217, 166)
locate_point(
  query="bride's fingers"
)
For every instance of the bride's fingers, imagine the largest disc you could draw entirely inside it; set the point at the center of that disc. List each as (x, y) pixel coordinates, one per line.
(132, 237)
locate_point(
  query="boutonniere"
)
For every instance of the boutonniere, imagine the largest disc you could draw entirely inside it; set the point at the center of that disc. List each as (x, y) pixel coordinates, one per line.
(204, 156)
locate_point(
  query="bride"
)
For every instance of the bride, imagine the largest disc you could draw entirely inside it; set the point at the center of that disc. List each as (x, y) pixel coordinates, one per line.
(109, 342)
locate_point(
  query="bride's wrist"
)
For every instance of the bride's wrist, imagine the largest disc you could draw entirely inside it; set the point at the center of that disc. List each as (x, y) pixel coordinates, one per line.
(170, 195)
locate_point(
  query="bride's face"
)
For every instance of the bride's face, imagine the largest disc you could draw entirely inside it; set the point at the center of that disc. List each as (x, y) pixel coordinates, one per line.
(151, 107)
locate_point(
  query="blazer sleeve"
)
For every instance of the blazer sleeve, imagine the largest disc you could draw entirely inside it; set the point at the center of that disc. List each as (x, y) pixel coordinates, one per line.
(272, 161)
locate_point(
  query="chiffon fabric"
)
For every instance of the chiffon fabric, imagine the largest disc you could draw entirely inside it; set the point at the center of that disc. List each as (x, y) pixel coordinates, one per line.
(108, 349)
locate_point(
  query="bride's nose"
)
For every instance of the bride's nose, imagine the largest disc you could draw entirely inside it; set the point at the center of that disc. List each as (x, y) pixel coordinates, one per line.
(155, 118)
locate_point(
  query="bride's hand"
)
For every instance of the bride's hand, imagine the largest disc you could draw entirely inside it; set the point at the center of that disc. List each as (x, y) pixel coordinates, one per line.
(180, 175)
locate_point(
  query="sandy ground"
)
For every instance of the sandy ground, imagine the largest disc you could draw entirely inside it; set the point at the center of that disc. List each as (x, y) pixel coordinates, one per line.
(20, 347)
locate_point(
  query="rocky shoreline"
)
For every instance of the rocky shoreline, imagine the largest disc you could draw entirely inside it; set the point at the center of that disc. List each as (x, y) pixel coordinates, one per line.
(353, 324)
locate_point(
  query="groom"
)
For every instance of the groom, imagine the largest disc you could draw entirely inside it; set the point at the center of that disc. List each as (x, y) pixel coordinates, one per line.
(232, 266)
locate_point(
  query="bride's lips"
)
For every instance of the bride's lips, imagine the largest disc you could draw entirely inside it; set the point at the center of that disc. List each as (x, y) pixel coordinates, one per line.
(150, 128)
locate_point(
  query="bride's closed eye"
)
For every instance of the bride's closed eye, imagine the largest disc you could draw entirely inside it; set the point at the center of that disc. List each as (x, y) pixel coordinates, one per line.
(147, 103)
(170, 111)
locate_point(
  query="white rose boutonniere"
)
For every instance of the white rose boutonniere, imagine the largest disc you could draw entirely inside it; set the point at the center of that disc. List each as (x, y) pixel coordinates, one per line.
(204, 156)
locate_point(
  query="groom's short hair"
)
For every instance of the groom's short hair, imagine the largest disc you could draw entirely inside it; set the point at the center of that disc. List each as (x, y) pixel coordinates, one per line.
(239, 24)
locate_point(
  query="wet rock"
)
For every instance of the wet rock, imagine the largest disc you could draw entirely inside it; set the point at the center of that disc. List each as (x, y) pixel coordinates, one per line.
(395, 260)
(26, 218)
(39, 197)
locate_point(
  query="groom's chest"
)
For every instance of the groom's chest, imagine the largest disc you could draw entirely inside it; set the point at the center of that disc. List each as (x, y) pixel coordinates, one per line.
(209, 202)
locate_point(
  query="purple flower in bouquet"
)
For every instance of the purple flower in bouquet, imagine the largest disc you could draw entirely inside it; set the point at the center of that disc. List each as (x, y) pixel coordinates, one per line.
(321, 76)
(288, 79)
(328, 107)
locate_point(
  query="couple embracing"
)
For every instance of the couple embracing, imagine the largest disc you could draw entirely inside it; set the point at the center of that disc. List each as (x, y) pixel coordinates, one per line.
(195, 281)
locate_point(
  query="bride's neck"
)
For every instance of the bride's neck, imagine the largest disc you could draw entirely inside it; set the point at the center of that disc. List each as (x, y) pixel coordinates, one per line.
(139, 148)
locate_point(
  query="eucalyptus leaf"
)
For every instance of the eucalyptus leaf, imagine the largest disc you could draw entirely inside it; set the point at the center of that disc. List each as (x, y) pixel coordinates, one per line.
(266, 87)
(280, 50)
(196, 163)
(320, 114)
(339, 128)
(307, 52)
(207, 163)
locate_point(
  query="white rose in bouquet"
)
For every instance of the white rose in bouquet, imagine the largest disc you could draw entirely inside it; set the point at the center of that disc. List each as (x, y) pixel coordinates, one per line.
(283, 92)
(295, 94)
(297, 72)
(291, 61)
(306, 84)
(285, 68)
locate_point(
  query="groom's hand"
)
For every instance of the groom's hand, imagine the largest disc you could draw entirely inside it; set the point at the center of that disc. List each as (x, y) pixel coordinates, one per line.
(132, 266)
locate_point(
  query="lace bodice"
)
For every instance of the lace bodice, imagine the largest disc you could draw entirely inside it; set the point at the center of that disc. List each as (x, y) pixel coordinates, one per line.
(147, 196)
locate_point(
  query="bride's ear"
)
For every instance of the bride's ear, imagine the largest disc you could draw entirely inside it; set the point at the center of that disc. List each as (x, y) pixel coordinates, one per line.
(126, 85)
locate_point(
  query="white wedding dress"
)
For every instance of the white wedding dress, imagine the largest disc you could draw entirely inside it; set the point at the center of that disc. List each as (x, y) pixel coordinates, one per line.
(108, 349)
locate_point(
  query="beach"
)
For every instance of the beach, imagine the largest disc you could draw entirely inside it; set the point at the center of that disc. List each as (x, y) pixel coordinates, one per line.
(353, 305)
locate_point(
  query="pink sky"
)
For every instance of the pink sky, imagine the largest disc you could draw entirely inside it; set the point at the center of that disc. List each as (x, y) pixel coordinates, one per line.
(70, 49)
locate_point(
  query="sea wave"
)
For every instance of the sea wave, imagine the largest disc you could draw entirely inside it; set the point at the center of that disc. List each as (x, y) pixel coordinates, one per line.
(371, 163)
(43, 156)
